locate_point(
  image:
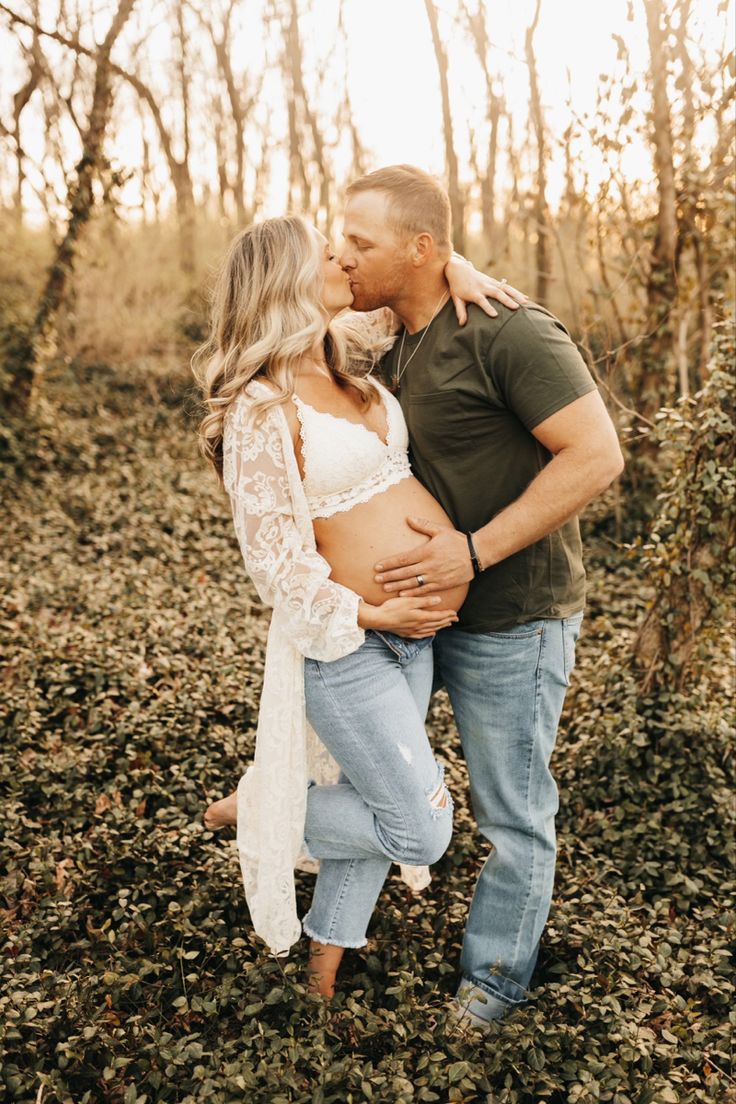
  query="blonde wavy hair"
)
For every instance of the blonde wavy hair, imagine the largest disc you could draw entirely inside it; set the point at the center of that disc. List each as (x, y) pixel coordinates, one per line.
(265, 315)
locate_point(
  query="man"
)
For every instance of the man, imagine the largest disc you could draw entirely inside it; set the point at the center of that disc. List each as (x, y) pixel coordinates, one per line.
(509, 433)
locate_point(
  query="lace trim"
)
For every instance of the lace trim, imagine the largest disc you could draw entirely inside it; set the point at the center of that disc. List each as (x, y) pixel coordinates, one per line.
(302, 432)
(387, 444)
(326, 505)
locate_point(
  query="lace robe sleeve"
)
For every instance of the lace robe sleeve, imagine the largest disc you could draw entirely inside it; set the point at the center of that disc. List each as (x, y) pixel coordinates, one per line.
(320, 615)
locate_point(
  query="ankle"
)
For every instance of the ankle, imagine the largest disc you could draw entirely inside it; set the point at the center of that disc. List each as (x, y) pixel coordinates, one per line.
(321, 985)
(322, 967)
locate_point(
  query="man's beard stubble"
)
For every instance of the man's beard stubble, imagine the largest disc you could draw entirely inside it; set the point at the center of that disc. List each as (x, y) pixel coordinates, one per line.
(385, 294)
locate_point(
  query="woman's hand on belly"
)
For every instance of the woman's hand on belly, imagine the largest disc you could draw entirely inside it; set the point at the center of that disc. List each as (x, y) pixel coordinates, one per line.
(412, 617)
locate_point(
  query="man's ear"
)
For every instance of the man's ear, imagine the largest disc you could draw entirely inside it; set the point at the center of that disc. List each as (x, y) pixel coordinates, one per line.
(422, 249)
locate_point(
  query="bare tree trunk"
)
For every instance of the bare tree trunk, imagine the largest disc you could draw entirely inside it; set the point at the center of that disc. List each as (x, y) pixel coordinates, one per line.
(20, 100)
(298, 175)
(453, 179)
(513, 212)
(477, 23)
(488, 184)
(223, 184)
(540, 199)
(262, 174)
(296, 69)
(623, 336)
(183, 75)
(570, 197)
(683, 374)
(665, 245)
(182, 181)
(661, 286)
(181, 177)
(358, 167)
(696, 204)
(148, 179)
(222, 50)
(240, 108)
(29, 355)
(572, 295)
(705, 307)
(20, 177)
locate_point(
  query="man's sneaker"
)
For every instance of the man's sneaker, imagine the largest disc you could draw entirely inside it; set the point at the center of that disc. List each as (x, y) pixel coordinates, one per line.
(467, 1019)
(473, 1007)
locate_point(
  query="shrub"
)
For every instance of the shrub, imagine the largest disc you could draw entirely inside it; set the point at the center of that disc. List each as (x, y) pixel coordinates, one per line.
(133, 651)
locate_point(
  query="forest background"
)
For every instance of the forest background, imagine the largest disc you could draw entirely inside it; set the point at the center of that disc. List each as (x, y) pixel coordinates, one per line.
(588, 151)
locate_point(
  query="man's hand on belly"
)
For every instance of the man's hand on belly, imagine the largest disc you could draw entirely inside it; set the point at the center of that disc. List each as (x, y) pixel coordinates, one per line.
(442, 562)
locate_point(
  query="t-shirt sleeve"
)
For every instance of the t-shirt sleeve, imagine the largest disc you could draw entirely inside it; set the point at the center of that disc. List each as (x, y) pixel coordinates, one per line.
(535, 366)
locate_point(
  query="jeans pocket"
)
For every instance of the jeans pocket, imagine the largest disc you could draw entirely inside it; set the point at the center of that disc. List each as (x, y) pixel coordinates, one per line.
(521, 632)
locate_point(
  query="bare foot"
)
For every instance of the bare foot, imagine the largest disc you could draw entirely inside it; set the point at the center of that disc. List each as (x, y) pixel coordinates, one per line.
(324, 986)
(324, 960)
(221, 813)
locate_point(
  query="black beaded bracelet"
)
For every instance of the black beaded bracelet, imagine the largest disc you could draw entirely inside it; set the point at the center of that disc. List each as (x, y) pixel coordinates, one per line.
(473, 555)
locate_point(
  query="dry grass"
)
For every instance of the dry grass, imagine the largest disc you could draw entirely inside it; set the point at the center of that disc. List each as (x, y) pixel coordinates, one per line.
(25, 255)
(129, 297)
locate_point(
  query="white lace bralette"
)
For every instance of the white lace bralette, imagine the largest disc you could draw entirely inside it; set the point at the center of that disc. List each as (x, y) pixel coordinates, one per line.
(345, 463)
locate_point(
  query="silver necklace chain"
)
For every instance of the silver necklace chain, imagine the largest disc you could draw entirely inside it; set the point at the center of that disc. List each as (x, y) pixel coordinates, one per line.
(399, 369)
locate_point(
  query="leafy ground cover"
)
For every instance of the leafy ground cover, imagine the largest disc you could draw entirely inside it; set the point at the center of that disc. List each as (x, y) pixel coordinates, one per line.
(132, 650)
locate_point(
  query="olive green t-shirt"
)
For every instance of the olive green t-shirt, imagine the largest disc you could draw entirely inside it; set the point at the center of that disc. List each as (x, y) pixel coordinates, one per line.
(471, 396)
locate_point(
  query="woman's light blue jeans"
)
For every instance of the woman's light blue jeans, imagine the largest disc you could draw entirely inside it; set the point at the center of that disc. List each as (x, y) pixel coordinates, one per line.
(390, 803)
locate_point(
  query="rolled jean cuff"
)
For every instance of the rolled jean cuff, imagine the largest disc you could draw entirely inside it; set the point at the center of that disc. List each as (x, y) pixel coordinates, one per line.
(334, 942)
(484, 1002)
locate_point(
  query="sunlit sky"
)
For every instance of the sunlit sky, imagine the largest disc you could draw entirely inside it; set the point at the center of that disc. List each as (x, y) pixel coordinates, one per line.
(391, 76)
(399, 102)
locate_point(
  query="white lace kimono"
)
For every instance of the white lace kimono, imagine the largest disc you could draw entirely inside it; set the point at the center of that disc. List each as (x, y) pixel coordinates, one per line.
(312, 616)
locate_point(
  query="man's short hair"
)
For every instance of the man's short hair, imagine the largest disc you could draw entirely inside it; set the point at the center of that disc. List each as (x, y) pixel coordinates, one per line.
(418, 204)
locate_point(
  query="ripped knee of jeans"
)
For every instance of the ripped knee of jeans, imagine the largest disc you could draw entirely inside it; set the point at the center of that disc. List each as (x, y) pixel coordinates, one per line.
(440, 798)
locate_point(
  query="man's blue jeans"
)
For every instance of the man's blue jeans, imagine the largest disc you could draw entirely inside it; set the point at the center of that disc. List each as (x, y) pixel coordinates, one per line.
(507, 690)
(390, 802)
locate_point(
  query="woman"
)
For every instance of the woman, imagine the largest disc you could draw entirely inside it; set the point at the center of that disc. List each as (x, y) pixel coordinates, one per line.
(314, 457)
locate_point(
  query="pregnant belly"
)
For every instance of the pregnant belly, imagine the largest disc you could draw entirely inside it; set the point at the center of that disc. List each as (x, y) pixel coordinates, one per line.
(354, 541)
